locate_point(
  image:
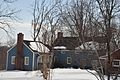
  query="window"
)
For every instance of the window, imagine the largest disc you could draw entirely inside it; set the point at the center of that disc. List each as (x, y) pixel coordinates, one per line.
(116, 63)
(13, 60)
(26, 61)
(69, 60)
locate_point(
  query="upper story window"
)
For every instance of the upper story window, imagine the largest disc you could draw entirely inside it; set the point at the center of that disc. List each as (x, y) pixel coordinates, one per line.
(26, 61)
(116, 63)
(69, 60)
(13, 60)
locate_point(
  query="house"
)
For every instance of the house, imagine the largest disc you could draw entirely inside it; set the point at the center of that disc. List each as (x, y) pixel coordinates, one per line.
(66, 55)
(114, 66)
(21, 56)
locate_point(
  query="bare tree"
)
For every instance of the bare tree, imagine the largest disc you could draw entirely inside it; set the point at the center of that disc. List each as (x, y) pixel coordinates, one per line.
(93, 23)
(7, 16)
(108, 9)
(44, 23)
(81, 17)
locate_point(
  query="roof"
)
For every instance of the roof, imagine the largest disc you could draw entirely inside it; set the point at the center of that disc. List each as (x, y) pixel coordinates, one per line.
(68, 42)
(34, 47)
(60, 47)
(114, 55)
(73, 42)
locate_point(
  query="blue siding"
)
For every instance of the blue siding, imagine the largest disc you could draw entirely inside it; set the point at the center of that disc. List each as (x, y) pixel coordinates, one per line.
(11, 53)
(27, 53)
(61, 58)
(36, 61)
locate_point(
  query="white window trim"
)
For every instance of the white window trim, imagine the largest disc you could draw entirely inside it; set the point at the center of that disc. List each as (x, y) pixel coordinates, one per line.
(13, 60)
(116, 65)
(26, 58)
(69, 58)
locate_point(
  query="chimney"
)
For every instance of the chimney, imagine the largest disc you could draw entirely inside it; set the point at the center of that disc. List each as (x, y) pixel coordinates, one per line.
(60, 35)
(19, 56)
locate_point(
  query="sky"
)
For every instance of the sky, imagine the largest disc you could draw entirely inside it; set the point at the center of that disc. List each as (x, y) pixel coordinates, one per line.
(24, 23)
(25, 16)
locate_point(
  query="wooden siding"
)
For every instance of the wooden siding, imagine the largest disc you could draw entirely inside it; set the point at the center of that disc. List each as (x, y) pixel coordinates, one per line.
(36, 67)
(79, 60)
(26, 53)
(11, 52)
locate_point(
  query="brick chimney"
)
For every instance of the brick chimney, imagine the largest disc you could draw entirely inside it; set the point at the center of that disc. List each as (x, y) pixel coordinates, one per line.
(60, 35)
(19, 60)
(60, 39)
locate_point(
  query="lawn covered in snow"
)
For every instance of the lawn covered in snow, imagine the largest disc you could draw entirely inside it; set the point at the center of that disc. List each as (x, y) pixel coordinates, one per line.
(56, 74)
(20, 75)
(72, 74)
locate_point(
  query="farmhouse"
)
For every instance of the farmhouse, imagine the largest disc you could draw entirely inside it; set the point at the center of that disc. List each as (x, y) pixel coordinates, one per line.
(21, 56)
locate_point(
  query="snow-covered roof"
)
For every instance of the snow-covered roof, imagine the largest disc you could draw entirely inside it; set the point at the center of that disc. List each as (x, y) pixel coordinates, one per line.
(89, 46)
(59, 47)
(38, 47)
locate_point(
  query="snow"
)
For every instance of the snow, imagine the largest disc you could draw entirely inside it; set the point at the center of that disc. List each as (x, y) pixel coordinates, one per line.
(89, 46)
(72, 74)
(59, 47)
(41, 48)
(56, 74)
(20, 75)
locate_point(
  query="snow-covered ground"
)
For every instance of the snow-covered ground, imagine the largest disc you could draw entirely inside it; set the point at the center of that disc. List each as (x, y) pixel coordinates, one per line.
(72, 74)
(56, 74)
(20, 75)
